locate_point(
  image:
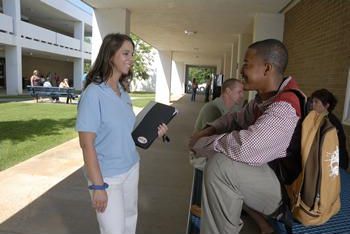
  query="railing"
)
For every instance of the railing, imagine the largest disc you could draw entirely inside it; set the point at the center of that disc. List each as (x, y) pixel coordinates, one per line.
(86, 47)
(36, 33)
(6, 24)
(68, 42)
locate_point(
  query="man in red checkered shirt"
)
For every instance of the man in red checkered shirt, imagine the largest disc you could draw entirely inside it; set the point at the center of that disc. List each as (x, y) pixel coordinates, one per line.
(240, 145)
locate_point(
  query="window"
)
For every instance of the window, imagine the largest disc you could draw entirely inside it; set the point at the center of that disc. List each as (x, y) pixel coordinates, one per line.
(346, 112)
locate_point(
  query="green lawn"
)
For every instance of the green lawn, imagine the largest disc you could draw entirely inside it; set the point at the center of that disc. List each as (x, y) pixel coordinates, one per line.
(16, 96)
(141, 99)
(27, 129)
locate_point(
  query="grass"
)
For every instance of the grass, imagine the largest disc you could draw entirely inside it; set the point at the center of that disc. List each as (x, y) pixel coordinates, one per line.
(141, 99)
(27, 129)
(15, 96)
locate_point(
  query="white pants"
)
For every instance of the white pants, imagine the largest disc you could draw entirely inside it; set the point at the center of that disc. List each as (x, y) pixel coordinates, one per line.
(120, 216)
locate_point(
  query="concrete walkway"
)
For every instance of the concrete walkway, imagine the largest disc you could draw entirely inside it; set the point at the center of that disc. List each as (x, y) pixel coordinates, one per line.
(47, 194)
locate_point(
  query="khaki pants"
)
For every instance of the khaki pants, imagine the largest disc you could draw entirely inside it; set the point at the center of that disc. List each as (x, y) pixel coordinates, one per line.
(227, 185)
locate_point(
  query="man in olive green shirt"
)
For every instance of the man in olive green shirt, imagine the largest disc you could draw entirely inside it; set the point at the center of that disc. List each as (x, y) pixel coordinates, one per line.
(229, 100)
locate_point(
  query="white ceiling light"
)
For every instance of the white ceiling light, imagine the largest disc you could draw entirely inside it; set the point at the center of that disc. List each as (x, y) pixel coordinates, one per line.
(189, 32)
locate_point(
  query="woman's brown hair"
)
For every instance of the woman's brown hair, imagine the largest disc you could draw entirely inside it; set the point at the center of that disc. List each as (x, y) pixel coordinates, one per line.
(102, 68)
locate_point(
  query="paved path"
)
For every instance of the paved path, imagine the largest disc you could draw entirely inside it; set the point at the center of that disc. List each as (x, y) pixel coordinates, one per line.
(25, 182)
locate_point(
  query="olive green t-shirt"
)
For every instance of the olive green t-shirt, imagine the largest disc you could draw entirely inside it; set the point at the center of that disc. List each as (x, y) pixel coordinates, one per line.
(211, 111)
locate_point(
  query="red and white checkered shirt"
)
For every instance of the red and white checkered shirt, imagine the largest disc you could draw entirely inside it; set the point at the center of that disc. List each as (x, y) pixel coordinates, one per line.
(258, 134)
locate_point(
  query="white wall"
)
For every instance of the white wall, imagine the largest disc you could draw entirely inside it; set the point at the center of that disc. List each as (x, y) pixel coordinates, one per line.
(177, 78)
(163, 61)
(244, 40)
(105, 21)
(268, 26)
(6, 23)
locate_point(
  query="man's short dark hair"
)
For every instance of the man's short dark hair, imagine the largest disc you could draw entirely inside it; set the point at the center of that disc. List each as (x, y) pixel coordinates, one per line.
(272, 51)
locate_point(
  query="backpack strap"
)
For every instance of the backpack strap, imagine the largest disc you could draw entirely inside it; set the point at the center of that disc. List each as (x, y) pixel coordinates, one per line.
(302, 111)
(297, 99)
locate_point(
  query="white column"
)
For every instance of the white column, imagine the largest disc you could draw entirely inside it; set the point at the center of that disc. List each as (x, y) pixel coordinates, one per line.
(79, 32)
(13, 60)
(221, 65)
(78, 68)
(105, 21)
(163, 71)
(78, 72)
(13, 54)
(177, 78)
(224, 65)
(227, 65)
(244, 40)
(233, 62)
(268, 26)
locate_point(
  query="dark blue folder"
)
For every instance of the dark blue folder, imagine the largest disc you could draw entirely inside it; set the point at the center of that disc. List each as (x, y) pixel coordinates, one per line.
(148, 120)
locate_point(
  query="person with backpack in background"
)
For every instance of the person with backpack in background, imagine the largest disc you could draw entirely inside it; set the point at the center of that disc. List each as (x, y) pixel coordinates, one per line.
(240, 145)
(323, 100)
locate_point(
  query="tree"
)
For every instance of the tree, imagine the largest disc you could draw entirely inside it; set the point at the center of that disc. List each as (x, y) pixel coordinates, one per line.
(200, 73)
(143, 58)
(87, 66)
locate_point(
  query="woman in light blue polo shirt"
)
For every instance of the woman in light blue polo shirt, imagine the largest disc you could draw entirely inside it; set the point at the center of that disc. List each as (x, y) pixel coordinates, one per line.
(105, 121)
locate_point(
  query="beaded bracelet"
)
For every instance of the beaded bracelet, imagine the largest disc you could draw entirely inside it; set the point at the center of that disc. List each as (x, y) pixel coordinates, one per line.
(98, 187)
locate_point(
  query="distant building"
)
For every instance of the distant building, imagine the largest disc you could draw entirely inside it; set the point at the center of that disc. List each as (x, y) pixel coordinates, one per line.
(47, 35)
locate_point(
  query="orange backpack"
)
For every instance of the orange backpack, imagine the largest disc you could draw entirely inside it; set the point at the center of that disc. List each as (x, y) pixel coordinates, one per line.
(315, 194)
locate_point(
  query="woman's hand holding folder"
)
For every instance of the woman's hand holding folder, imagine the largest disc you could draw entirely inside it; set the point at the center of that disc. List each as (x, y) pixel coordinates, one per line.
(162, 129)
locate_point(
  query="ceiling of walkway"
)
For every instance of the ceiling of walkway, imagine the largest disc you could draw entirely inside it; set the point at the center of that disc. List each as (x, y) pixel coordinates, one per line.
(217, 23)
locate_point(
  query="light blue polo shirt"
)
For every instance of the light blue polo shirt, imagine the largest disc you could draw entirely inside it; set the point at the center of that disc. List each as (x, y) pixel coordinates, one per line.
(112, 119)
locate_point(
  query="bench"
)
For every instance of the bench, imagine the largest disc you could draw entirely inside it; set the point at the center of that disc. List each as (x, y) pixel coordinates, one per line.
(52, 92)
(338, 224)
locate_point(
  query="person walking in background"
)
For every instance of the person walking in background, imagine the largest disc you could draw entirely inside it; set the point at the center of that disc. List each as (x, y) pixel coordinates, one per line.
(105, 121)
(323, 100)
(194, 89)
(35, 80)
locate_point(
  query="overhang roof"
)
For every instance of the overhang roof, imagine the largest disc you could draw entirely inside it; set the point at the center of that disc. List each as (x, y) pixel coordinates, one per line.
(217, 23)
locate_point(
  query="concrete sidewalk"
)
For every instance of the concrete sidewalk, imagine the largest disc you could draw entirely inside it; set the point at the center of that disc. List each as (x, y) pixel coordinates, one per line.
(25, 182)
(47, 194)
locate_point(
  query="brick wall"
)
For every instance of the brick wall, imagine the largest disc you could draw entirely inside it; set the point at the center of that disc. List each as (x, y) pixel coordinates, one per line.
(317, 35)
